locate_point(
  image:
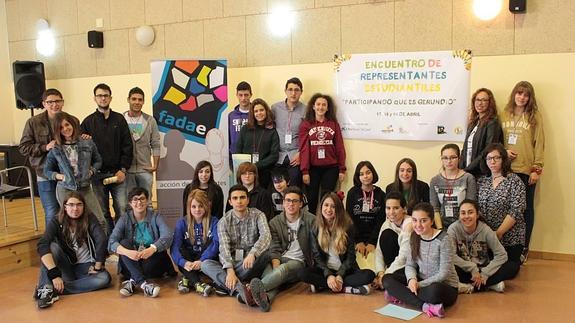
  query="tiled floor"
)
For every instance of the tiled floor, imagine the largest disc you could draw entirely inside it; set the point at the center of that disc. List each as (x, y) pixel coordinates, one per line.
(543, 292)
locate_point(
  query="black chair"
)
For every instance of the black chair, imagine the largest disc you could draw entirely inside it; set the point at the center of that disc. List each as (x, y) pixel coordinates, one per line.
(7, 190)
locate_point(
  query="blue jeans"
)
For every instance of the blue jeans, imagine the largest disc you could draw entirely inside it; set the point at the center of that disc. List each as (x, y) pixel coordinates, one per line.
(214, 270)
(286, 272)
(154, 267)
(119, 199)
(75, 276)
(143, 179)
(47, 191)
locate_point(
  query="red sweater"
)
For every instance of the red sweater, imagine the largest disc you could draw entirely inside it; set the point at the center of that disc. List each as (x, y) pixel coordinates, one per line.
(313, 136)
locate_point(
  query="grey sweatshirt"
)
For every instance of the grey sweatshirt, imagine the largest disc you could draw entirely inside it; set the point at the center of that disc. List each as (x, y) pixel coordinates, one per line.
(435, 262)
(472, 249)
(446, 194)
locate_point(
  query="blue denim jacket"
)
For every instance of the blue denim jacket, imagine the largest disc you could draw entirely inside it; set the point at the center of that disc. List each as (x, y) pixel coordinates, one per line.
(58, 163)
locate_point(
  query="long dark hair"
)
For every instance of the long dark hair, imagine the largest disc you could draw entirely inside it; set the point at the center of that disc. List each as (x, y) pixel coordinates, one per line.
(368, 164)
(310, 112)
(505, 161)
(475, 206)
(195, 184)
(268, 122)
(415, 239)
(74, 230)
(414, 197)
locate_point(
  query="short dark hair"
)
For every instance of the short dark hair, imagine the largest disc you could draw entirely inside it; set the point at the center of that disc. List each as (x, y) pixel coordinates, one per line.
(102, 86)
(135, 90)
(280, 172)
(294, 190)
(368, 164)
(395, 195)
(137, 191)
(244, 86)
(296, 81)
(72, 120)
(237, 187)
(49, 92)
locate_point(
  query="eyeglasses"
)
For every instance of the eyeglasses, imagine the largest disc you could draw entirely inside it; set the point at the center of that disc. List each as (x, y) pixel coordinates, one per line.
(449, 158)
(102, 96)
(74, 205)
(290, 201)
(51, 102)
(481, 100)
(139, 199)
(493, 158)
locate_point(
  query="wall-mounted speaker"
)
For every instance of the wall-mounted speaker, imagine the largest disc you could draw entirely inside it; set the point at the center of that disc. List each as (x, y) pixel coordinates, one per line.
(29, 84)
(95, 39)
(517, 6)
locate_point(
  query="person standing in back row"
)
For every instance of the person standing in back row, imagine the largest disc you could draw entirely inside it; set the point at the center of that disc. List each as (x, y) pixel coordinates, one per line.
(109, 131)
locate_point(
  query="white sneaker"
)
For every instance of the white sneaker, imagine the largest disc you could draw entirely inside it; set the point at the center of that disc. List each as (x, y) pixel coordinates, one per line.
(499, 287)
(463, 288)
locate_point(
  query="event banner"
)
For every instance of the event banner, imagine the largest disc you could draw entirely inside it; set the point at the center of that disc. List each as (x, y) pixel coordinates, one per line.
(190, 98)
(403, 96)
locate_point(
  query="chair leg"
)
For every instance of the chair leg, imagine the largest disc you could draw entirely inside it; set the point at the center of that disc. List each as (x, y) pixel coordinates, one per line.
(4, 212)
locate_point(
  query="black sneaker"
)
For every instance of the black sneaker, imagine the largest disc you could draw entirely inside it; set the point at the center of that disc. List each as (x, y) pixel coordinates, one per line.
(260, 295)
(245, 294)
(45, 296)
(127, 288)
(220, 291)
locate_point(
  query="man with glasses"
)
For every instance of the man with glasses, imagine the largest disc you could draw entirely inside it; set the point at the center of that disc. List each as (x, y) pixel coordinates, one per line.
(288, 115)
(37, 140)
(109, 131)
(290, 249)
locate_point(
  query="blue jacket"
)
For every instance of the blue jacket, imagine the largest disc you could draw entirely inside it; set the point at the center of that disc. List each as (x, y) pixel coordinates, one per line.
(181, 239)
(58, 163)
(156, 224)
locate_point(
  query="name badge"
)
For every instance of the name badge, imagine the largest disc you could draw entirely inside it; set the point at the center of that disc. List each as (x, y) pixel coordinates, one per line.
(448, 211)
(512, 139)
(239, 255)
(366, 207)
(288, 138)
(255, 157)
(320, 153)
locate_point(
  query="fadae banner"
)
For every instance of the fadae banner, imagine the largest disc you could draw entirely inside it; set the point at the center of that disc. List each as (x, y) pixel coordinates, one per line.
(403, 96)
(190, 97)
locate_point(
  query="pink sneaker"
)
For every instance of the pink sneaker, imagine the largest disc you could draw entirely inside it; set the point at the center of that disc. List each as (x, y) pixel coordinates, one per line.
(433, 310)
(391, 299)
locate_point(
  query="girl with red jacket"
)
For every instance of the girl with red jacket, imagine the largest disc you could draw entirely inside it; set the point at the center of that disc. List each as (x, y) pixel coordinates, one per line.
(321, 148)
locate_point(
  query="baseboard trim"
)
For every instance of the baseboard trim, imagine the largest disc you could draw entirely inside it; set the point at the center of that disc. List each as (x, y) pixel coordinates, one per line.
(551, 256)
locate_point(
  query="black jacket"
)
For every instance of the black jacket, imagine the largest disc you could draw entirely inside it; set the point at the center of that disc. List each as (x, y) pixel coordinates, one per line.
(97, 240)
(348, 263)
(422, 190)
(366, 224)
(485, 135)
(113, 139)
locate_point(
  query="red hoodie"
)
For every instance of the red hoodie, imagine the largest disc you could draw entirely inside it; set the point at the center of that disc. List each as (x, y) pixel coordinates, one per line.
(315, 136)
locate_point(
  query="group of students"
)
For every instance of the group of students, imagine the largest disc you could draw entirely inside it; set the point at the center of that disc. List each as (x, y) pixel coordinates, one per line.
(465, 231)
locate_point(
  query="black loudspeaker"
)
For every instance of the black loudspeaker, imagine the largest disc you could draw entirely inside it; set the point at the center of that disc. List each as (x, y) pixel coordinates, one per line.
(95, 39)
(29, 84)
(517, 6)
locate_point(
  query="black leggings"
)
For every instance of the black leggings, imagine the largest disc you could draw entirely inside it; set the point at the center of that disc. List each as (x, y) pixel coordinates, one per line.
(322, 180)
(389, 246)
(507, 271)
(436, 293)
(514, 253)
(194, 276)
(355, 278)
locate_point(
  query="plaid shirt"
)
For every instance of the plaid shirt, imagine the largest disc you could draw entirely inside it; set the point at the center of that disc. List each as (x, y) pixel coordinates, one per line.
(251, 234)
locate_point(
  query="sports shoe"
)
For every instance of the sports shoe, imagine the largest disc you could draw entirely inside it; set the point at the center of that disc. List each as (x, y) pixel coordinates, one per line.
(45, 296)
(499, 287)
(183, 287)
(361, 290)
(150, 289)
(220, 291)
(245, 294)
(260, 295)
(433, 310)
(127, 288)
(204, 289)
(312, 288)
(391, 299)
(463, 288)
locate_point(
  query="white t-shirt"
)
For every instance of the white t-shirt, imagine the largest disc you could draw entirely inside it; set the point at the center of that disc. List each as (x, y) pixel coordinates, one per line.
(469, 151)
(294, 250)
(333, 261)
